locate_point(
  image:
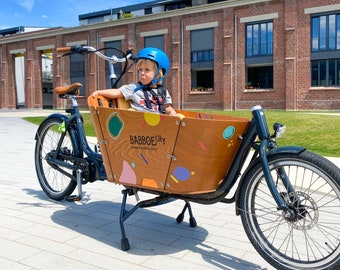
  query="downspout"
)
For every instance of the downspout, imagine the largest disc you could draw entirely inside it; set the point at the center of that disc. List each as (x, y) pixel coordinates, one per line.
(97, 62)
(235, 63)
(182, 65)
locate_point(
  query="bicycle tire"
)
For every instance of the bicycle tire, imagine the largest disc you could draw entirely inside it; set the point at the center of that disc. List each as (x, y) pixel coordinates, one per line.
(54, 183)
(311, 240)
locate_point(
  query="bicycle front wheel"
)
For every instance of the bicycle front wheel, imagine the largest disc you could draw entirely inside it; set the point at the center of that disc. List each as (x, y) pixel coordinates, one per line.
(56, 184)
(311, 239)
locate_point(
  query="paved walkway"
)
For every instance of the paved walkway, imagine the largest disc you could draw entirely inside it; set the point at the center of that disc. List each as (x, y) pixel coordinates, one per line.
(38, 233)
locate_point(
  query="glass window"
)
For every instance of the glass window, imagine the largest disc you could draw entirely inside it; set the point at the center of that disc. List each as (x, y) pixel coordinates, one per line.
(77, 70)
(315, 73)
(270, 38)
(259, 39)
(202, 80)
(118, 67)
(322, 33)
(338, 32)
(331, 72)
(315, 34)
(202, 59)
(260, 77)
(332, 30)
(325, 33)
(325, 72)
(337, 73)
(249, 40)
(148, 11)
(325, 38)
(322, 72)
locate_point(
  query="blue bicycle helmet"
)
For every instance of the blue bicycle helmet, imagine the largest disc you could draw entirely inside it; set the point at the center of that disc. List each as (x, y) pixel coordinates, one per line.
(157, 56)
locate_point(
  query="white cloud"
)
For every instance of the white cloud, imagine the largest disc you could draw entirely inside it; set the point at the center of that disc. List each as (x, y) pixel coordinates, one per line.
(44, 16)
(26, 4)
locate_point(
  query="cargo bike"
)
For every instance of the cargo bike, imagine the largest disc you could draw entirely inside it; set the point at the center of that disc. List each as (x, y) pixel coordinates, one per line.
(288, 198)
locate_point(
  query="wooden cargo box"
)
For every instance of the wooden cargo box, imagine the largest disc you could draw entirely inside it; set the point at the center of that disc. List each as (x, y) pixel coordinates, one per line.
(166, 153)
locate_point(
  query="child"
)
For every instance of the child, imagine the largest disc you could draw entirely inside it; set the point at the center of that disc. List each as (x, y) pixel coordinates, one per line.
(147, 94)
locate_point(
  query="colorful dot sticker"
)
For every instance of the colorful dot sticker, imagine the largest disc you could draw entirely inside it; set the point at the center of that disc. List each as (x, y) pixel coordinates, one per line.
(181, 174)
(228, 132)
(115, 125)
(152, 119)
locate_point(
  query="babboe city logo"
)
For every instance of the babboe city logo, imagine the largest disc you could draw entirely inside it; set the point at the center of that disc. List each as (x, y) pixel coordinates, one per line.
(146, 142)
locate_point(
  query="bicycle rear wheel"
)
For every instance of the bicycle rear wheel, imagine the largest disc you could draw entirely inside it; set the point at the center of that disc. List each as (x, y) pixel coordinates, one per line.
(54, 183)
(311, 239)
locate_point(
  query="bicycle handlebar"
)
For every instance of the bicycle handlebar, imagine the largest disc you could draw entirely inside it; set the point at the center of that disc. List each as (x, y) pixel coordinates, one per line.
(88, 49)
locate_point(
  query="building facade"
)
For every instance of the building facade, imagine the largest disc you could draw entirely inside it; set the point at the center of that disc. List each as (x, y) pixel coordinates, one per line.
(225, 55)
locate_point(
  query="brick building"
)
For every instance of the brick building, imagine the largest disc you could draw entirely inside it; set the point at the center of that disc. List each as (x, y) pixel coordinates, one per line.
(224, 54)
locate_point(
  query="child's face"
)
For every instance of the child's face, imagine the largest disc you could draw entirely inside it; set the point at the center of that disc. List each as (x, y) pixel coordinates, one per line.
(146, 73)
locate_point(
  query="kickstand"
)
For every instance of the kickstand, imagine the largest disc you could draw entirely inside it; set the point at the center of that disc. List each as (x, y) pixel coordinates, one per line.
(78, 197)
(192, 220)
(125, 214)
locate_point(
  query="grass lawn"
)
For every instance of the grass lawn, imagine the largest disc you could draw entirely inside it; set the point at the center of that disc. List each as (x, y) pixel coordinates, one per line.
(318, 132)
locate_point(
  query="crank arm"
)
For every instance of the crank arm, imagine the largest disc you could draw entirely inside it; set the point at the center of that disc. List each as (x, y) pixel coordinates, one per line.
(57, 162)
(54, 166)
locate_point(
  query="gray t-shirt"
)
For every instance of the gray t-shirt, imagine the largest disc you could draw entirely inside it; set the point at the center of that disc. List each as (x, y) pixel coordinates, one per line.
(137, 99)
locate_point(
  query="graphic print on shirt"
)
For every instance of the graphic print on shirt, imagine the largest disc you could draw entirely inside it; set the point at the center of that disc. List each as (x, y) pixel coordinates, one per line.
(154, 105)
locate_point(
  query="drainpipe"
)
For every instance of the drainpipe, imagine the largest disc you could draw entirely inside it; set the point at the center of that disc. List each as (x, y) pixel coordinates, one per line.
(235, 63)
(97, 62)
(182, 65)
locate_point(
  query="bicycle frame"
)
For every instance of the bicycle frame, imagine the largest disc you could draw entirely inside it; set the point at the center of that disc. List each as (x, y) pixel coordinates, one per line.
(258, 127)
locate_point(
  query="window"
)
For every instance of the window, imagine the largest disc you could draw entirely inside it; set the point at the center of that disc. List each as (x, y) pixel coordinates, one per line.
(202, 59)
(204, 79)
(202, 56)
(325, 47)
(148, 11)
(326, 72)
(326, 33)
(154, 41)
(259, 38)
(260, 77)
(259, 55)
(93, 20)
(177, 5)
(77, 70)
(117, 67)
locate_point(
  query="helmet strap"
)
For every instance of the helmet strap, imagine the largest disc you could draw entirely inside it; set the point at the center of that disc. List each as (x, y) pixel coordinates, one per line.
(155, 80)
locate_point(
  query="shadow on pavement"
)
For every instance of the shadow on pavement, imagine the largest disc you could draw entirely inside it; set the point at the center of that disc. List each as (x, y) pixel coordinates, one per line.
(150, 233)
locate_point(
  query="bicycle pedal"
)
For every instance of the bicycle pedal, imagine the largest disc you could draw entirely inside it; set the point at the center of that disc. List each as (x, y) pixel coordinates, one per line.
(73, 198)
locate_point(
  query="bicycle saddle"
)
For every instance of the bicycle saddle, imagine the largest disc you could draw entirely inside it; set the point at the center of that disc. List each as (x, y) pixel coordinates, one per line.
(68, 89)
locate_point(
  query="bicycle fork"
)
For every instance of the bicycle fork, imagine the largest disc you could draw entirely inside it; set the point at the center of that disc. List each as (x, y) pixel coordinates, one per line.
(264, 135)
(282, 205)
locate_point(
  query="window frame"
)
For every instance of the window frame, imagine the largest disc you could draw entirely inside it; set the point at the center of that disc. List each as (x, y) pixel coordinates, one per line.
(254, 38)
(202, 60)
(325, 48)
(321, 40)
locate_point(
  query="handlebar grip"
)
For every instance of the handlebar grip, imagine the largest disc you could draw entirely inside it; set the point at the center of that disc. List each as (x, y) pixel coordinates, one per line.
(64, 49)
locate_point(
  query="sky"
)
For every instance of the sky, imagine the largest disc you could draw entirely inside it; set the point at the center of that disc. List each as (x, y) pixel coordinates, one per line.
(53, 13)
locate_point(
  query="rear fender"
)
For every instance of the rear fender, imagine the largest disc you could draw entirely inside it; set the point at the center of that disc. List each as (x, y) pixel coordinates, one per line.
(55, 115)
(72, 132)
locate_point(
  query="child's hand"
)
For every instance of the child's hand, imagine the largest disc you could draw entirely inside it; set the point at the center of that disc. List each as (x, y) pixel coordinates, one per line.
(95, 93)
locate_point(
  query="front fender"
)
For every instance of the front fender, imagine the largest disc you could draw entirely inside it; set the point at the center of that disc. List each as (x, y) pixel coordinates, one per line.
(286, 149)
(279, 150)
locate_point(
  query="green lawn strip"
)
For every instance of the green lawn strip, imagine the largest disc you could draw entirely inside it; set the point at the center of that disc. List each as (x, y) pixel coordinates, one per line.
(318, 132)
